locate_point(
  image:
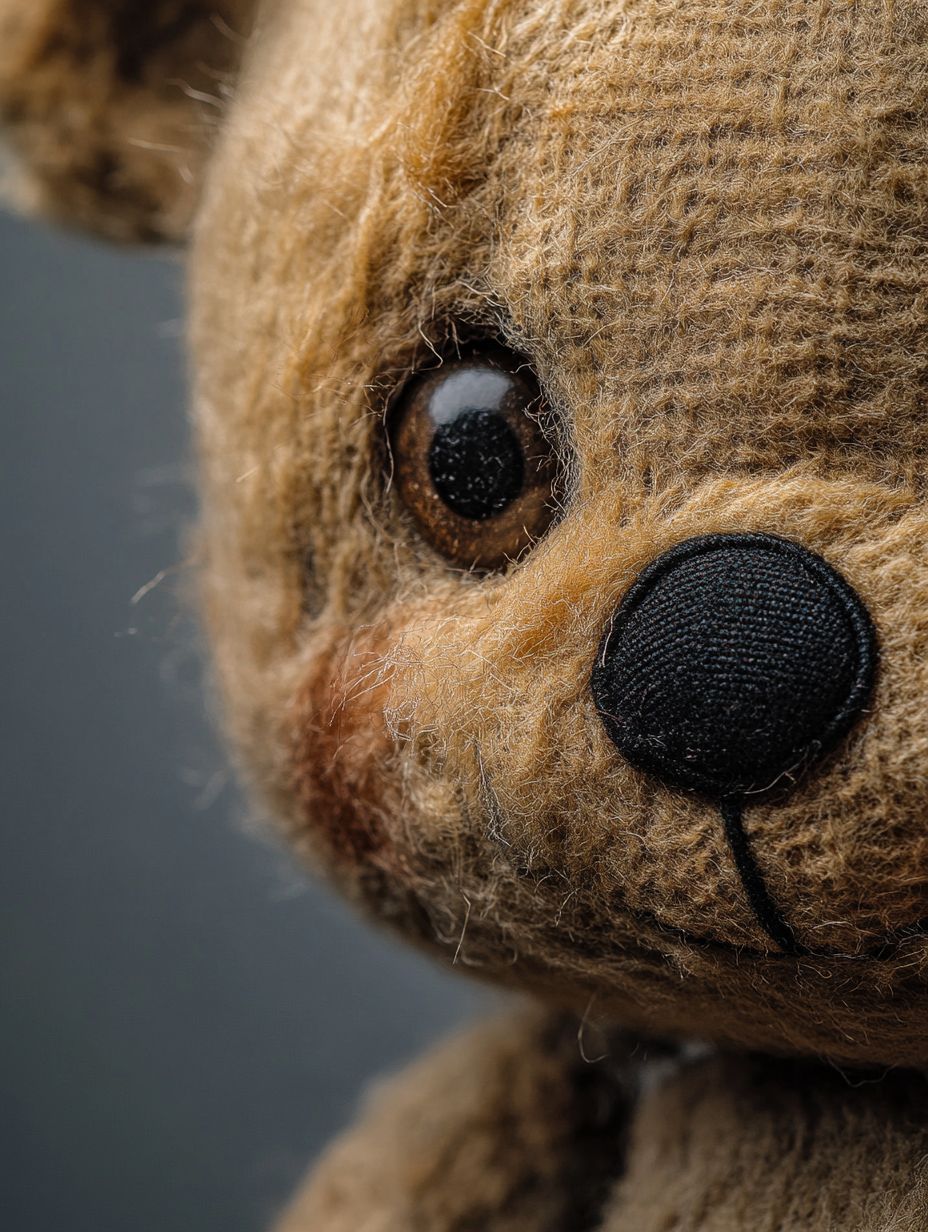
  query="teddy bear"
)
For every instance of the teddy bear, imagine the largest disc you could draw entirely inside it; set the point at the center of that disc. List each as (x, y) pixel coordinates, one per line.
(560, 374)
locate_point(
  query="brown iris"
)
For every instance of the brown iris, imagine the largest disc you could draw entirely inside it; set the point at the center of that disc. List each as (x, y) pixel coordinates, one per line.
(471, 462)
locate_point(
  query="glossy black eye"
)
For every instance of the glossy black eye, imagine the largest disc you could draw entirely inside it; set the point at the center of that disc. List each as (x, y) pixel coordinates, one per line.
(476, 464)
(471, 462)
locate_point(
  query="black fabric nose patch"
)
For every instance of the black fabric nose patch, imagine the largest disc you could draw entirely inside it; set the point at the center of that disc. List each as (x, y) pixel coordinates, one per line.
(734, 660)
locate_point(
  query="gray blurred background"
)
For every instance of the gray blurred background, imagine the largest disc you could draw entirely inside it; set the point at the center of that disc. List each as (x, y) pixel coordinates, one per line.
(184, 1019)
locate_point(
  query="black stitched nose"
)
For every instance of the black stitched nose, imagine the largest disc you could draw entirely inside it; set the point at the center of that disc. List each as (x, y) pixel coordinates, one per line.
(732, 661)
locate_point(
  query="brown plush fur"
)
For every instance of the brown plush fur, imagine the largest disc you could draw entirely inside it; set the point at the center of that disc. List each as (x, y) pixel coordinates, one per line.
(705, 225)
(507, 1128)
(111, 103)
(730, 1144)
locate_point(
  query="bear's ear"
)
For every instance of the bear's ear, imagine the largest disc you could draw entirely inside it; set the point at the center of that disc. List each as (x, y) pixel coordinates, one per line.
(108, 106)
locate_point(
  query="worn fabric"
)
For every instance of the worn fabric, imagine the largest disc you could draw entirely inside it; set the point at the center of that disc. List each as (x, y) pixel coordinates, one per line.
(112, 106)
(514, 1126)
(703, 226)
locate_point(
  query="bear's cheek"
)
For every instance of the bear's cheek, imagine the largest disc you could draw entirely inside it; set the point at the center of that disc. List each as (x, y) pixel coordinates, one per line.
(344, 766)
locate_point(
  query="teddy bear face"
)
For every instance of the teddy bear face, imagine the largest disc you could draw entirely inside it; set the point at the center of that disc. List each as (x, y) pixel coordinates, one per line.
(495, 306)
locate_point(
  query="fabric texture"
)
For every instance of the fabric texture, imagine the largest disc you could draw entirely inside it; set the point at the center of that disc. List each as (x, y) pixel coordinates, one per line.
(506, 1128)
(703, 225)
(512, 1128)
(732, 662)
(111, 105)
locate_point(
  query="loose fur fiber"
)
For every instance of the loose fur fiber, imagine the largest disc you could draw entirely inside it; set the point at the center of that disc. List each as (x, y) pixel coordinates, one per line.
(704, 224)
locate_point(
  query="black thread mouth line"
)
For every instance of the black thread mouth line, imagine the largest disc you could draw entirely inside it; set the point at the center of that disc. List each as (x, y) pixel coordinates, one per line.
(880, 952)
(766, 911)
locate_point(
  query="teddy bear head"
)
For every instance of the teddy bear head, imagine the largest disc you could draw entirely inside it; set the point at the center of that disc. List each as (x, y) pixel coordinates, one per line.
(561, 388)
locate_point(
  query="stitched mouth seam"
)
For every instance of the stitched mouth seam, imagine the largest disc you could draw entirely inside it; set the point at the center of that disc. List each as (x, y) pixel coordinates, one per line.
(766, 911)
(881, 951)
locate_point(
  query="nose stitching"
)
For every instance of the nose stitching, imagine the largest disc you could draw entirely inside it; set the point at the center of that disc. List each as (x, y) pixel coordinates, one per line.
(733, 663)
(734, 660)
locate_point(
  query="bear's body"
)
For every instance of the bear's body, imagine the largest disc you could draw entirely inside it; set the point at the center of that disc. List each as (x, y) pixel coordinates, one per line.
(561, 372)
(511, 1129)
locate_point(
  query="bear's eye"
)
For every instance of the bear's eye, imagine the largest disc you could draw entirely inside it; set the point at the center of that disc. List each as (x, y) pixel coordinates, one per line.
(471, 462)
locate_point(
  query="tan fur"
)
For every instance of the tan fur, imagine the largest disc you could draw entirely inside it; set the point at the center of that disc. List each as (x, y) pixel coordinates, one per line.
(500, 1129)
(730, 344)
(730, 1144)
(505, 1128)
(111, 104)
(705, 225)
